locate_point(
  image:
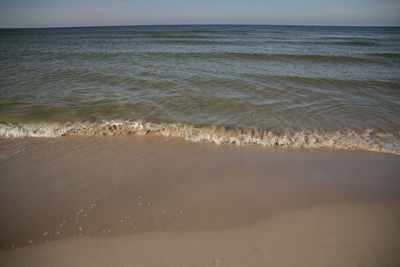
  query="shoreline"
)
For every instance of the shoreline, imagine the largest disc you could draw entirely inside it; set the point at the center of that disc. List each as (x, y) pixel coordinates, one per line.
(340, 139)
(168, 201)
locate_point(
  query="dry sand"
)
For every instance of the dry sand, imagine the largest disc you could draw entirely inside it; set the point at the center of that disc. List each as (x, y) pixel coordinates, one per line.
(154, 201)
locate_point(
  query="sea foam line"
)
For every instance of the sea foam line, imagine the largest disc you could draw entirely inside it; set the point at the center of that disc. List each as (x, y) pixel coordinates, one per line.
(346, 139)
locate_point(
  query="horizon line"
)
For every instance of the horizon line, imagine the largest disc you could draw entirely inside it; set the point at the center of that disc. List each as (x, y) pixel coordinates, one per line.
(199, 24)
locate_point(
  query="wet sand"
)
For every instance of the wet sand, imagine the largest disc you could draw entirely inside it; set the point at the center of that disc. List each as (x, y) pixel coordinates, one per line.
(154, 201)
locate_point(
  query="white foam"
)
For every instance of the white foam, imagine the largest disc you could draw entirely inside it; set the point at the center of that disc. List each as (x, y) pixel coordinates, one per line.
(32, 130)
(346, 139)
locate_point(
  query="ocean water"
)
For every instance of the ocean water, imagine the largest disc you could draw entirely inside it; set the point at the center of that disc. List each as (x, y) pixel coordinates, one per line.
(293, 86)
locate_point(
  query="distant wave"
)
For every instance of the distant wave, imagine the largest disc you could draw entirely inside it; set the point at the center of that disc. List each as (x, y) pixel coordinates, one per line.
(387, 55)
(142, 36)
(355, 43)
(346, 139)
(323, 82)
(179, 32)
(108, 78)
(274, 57)
(202, 56)
(206, 38)
(198, 42)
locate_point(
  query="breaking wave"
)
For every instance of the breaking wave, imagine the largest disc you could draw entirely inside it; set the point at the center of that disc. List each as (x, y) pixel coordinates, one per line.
(346, 139)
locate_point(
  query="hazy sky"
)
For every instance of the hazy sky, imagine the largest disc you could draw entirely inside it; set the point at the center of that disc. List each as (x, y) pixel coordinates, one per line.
(55, 13)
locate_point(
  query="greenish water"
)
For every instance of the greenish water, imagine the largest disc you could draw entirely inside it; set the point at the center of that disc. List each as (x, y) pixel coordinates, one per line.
(267, 78)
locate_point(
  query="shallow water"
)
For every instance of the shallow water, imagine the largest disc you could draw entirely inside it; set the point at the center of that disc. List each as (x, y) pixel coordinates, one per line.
(286, 80)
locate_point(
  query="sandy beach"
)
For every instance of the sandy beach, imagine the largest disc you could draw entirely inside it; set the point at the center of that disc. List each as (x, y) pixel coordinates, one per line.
(154, 201)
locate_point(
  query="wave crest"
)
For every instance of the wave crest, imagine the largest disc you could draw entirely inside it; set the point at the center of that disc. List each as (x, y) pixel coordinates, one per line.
(346, 139)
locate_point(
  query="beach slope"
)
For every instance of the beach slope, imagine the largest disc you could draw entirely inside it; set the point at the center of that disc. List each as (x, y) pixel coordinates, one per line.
(154, 201)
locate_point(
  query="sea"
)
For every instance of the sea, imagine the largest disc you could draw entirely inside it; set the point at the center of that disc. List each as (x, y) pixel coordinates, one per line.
(274, 86)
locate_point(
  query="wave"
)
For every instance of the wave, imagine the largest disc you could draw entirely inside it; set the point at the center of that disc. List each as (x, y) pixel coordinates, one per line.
(90, 55)
(105, 78)
(325, 83)
(355, 43)
(196, 42)
(260, 56)
(388, 55)
(346, 139)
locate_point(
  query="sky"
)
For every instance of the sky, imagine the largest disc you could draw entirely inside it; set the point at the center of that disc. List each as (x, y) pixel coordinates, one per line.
(71, 13)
